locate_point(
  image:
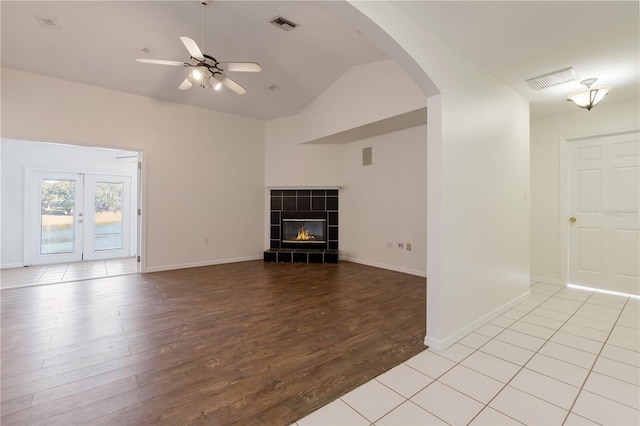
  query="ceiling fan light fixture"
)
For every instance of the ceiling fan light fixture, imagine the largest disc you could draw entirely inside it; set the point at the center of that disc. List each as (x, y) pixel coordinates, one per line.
(206, 83)
(206, 68)
(589, 97)
(197, 74)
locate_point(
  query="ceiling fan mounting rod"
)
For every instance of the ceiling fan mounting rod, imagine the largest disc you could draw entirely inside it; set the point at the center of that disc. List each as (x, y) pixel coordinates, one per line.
(204, 20)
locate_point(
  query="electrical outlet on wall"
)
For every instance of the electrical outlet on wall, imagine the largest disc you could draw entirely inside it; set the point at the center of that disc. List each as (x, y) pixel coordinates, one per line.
(400, 246)
(408, 246)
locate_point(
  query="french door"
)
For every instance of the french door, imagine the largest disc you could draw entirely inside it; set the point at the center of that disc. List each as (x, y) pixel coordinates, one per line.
(78, 216)
(604, 204)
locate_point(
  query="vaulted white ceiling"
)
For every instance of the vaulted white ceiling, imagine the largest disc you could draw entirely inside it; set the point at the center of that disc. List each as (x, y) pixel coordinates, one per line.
(97, 41)
(518, 40)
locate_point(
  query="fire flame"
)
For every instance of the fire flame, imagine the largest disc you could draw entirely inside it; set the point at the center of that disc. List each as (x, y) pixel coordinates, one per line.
(303, 235)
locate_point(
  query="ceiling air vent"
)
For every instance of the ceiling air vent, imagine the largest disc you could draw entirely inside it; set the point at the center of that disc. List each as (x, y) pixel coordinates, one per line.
(48, 22)
(553, 78)
(283, 24)
(146, 51)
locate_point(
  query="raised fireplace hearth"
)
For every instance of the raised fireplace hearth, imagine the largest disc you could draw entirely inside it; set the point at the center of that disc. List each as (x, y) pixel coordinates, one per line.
(303, 226)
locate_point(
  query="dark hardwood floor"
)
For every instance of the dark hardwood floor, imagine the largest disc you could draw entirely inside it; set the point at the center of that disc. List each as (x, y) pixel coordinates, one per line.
(245, 343)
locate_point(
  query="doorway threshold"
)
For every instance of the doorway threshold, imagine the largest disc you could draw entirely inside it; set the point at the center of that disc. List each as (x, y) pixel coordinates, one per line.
(67, 272)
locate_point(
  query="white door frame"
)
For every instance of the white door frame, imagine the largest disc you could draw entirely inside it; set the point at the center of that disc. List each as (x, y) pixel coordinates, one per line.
(564, 194)
(142, 209)
(137, 197)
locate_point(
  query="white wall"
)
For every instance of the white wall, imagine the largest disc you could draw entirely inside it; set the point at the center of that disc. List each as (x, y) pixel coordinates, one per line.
(203, 170)
(355, 99)
(478, 174)
(386, 202)
(17, 155)
(546, 134)
(289, 163)
(364, 94)
(397, 175)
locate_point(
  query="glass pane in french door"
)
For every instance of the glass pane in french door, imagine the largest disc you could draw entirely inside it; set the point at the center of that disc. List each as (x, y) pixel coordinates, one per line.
(108, 228)
(57, 231)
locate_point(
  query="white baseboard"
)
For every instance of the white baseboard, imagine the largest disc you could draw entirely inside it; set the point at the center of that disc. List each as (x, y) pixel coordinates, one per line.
(11, 265)
(198, 264)
(384, 266)
(554, 281)
(439, 345)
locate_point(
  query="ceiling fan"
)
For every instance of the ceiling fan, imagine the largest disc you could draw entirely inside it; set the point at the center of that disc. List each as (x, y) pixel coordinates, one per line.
(207, 71)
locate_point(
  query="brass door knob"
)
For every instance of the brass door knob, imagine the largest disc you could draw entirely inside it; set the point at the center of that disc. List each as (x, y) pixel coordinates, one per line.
(572, 219)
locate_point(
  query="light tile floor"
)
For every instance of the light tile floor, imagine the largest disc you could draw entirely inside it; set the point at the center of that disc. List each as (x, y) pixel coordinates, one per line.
(564, 356)
(64, 272)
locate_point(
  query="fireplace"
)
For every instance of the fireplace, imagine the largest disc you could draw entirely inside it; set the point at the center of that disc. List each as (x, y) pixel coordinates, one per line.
(303, 226)
(304, 230)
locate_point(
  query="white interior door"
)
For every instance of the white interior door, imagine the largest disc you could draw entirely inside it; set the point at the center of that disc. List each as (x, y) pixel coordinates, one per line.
(604, 202)
(76, 216)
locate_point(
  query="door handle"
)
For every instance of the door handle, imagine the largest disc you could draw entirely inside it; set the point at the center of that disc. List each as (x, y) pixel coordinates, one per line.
(572, 219)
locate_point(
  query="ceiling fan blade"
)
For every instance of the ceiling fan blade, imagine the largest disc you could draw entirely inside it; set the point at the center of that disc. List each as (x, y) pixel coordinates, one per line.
(162, 62)
(230, 84)
(241, 66)
(192, 47)
(185, 85)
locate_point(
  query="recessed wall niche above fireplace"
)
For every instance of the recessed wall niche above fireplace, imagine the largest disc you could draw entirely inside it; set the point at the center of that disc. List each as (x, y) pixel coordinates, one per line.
(303, 226)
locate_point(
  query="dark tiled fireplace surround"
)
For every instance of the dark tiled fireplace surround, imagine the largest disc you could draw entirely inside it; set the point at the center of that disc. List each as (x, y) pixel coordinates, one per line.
(316, 204)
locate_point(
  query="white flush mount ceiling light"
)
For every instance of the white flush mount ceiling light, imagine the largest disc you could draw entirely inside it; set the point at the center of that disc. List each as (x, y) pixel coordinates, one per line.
(589, 97)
